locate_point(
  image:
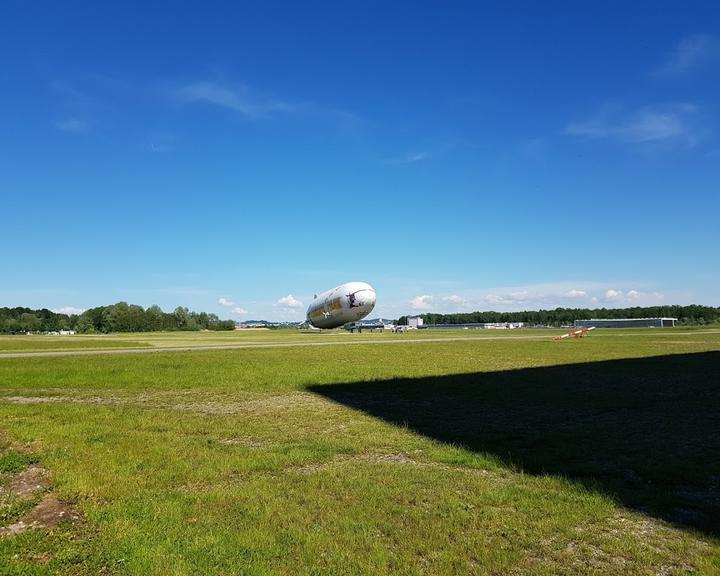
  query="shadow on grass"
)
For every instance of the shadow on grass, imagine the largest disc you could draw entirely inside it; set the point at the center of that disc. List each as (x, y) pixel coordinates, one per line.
(646, 430)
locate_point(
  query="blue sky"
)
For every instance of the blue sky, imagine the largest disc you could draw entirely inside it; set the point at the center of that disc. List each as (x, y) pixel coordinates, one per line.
(238, 157)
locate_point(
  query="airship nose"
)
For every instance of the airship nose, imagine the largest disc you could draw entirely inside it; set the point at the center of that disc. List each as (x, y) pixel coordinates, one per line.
(367, 299)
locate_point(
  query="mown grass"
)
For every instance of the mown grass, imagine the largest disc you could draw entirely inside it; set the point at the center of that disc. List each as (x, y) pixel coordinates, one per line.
(35, 343)
(15, 462)
(363, 459)
(39, 343)
(42, 343)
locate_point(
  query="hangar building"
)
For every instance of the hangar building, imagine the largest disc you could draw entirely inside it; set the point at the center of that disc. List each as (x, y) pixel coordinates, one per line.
(627, 323)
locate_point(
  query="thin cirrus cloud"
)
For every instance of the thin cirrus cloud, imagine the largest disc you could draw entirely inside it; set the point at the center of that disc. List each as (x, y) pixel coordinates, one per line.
(75, 125)
(237, 99)
(664, 123)
(157, 143)
(689, 54)
(254, 105)
(409, 158)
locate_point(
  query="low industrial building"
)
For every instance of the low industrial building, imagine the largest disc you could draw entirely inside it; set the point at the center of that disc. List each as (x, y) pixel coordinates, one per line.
(477, 326)
(626, 323)
(374, 324)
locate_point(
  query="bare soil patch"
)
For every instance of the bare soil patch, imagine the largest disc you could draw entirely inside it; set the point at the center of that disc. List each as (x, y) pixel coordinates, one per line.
(27, 485)
(45, 516)
(24, 485)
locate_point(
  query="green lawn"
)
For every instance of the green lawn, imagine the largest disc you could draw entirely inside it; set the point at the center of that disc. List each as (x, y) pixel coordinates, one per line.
(495, 456)
(34, 343)
(38, 343)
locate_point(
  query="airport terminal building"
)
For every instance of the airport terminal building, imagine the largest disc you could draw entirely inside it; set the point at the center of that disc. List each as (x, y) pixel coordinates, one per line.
(626, 323)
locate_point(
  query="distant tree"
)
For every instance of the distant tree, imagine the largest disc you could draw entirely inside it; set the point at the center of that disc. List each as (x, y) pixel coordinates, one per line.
(84, 325)
(181, 318)
(29, 322)
(124, 317)
(154, 318)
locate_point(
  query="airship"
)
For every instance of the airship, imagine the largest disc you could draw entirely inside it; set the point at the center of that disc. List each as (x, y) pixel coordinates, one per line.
(348, 302)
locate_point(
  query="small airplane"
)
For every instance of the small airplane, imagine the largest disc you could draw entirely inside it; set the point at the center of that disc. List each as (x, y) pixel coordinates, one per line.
(575, 333)
(346, 303)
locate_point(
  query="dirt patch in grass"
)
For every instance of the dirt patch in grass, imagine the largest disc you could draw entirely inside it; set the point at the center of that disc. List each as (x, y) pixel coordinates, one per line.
(12, 445)
(26, 484)
(45, 516)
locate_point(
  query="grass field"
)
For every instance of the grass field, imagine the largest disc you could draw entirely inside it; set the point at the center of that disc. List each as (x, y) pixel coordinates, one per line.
(486, 455)
(36, 343)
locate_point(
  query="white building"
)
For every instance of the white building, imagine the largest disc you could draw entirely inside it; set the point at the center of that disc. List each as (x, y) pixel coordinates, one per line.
(627, 323)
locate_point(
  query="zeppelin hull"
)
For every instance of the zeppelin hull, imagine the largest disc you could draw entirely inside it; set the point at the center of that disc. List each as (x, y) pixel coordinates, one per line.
(348, 302)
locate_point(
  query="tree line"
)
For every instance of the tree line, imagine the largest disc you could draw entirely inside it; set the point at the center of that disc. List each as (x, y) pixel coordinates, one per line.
(120, 317)
(686, 315)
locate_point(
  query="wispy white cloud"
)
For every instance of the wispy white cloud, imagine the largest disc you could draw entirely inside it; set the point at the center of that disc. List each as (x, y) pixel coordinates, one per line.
(75, 125)
(423, 302)
(613, 295)
(289, 301)
(533, 148)
(157, 142)
(238, 99)
(254, 105)
(73, 97)
(453, 299)
(409, 158)
(573, 293)
(690, 53)
(511, 298)
(78, 111)
(69, 310)
(534, 297)
(662, 123)
(636, 297)
(234, 309)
